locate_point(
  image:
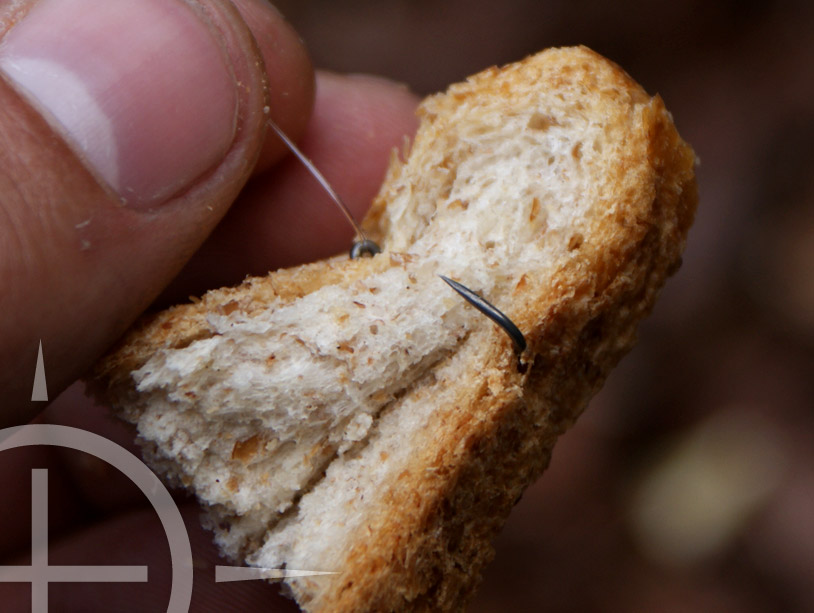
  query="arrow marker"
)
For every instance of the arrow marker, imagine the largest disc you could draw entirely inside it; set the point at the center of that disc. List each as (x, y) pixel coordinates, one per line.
(224, 574)
(40, 391)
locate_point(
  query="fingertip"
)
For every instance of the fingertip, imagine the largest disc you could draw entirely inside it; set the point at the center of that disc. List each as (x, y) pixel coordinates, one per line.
(101, 218)
(284, 217)
(290, 74)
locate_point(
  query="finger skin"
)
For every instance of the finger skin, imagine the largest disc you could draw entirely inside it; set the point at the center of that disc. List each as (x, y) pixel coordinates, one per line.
(284, 217)
(357, 123)
(77, 266)
(291, 83)
(354, 160)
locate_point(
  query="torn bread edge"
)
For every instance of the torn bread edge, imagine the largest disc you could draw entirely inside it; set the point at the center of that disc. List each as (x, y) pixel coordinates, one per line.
(405, 518)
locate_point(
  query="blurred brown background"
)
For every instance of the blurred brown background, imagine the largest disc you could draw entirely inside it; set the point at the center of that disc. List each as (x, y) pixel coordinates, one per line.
(688, 485)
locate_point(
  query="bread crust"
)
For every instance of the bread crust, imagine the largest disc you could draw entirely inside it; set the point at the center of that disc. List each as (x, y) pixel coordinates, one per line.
(426, 536)
(423, 548)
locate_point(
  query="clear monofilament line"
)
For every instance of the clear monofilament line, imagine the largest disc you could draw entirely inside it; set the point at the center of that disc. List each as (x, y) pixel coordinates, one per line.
(361, 238)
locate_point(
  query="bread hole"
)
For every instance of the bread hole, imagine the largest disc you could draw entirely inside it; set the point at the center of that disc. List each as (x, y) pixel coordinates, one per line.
(373, 290)
(186, 341)
(550, 160)
(576, 152)
(374, 329)
(539, 121)
(246, 449)
(576, 241)
(381, 397)
(535, 209)
(597, 146)
(489, 244)
(359, 304)
(230, 307)
(479, 130)
(345, 347)
(458, 204)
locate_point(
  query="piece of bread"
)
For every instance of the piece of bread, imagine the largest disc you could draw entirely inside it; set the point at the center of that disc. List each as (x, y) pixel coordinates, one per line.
(358, 416)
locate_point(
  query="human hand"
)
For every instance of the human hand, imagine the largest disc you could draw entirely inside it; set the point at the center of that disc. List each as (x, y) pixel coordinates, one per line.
(132, 100)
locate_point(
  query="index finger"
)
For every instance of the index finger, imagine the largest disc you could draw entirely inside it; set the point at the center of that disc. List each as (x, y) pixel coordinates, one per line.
(284, 217)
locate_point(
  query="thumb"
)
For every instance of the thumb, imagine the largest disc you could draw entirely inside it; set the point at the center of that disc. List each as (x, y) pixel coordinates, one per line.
(127, 127)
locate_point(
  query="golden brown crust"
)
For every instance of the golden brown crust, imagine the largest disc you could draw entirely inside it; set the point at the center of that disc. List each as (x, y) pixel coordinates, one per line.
(424, 546)
(183, 324)
(425, 541)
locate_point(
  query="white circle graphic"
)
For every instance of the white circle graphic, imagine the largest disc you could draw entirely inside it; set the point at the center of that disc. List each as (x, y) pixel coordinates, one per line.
(138, 473)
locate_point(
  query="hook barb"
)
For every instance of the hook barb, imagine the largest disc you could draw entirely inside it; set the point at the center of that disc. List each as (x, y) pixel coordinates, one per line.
(491, 311)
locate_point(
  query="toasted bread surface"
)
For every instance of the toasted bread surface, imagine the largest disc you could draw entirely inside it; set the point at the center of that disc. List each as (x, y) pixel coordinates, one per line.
(554, 186)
